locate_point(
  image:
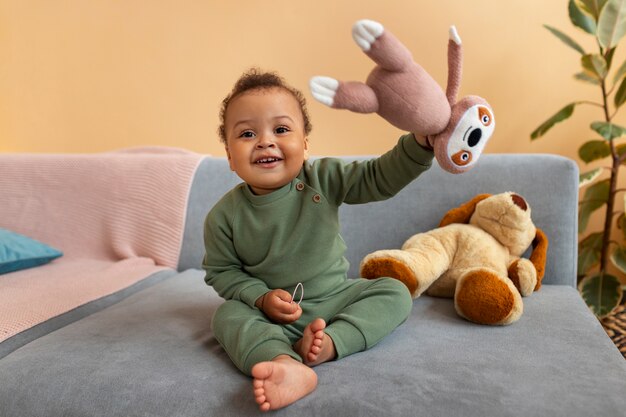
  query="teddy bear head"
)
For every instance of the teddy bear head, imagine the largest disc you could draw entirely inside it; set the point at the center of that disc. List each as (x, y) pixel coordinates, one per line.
(505, 216)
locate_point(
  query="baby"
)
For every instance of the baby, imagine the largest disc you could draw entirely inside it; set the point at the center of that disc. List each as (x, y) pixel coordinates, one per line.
(278, 232)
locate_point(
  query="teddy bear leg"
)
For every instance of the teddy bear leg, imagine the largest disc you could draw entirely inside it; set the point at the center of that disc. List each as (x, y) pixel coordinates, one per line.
(482, 296)
(400, 265)
(381, 45)
(352, 95)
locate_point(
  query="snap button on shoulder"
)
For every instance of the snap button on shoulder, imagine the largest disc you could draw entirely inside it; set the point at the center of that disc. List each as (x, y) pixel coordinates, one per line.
(299, 186)
(317, 198)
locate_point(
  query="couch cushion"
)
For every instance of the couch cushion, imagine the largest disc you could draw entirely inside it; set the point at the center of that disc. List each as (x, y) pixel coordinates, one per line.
(20, 332)
(420, 206)
(21, 252)
(153, 354)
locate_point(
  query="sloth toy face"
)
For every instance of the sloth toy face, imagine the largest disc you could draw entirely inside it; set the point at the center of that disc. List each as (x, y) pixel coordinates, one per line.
(472, 123)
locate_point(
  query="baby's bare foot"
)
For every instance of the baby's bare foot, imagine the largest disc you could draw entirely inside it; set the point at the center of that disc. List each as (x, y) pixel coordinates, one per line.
(316, 346)
(281, 382)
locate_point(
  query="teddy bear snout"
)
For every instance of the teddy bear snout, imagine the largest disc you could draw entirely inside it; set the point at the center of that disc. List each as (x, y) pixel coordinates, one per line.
(519, 201)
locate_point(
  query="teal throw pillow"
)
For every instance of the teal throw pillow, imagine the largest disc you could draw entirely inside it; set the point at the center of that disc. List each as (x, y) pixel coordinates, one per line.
(20, 252)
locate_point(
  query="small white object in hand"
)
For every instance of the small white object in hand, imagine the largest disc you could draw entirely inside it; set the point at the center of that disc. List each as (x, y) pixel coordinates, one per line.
(293, 296)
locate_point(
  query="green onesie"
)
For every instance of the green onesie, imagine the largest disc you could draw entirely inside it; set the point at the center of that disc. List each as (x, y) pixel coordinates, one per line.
(256, 243)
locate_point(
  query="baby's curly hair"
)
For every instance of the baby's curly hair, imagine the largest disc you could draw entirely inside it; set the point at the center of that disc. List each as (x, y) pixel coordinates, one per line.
(255, 79)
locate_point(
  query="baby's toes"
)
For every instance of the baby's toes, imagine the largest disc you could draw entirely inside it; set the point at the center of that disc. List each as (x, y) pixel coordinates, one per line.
(365, 32)
(260, 399)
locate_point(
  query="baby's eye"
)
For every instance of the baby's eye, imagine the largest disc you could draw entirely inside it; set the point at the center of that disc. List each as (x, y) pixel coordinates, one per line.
(247, 134)
(282, 129)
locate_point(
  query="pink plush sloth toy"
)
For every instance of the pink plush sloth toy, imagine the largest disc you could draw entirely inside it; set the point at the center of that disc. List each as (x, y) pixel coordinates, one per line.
(405, 95)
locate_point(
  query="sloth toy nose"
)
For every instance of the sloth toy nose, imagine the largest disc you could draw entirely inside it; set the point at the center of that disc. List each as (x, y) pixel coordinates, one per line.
(474, 137)
(519, 201)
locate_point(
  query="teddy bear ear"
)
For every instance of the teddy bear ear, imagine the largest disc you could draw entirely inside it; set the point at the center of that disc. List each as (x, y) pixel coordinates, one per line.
(462, 213)
(539, 254)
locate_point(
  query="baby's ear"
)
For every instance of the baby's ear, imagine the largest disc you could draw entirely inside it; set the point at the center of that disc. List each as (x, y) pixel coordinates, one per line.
(230, 160)
(306, 149)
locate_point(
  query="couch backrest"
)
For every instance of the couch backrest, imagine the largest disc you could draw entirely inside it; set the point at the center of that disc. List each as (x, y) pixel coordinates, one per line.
(548, 182)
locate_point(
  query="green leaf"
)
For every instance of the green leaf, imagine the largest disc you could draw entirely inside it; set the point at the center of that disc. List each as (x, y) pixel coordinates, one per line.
(594, 150)
(565, 39)
(602, 293)
(591, 7)
(612, 23)
(621, 150)
(619, 74)
(588, 177)
(621, 224)
(595, 197)
(608, 131)
(563, 114)
(594, 65)
(589, 252)
(580, 19)
(618, 257)
(620, 96)
(582, 76)
(608, 56)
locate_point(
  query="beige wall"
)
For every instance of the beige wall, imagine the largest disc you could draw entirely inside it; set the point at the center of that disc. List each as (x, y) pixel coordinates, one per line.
(96, 75)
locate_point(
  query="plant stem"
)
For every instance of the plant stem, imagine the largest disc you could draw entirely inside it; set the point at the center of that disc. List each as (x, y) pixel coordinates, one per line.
(608, 218)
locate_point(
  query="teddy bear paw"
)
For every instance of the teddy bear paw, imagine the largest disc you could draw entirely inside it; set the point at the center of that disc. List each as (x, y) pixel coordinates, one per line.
(365, 32)
(524, 275)
(391, 264)
(482, 296)
(324, 89)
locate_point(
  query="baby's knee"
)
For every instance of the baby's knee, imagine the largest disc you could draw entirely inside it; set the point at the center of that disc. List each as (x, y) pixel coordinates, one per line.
(229, 311)
(400, 294)
(227, 308)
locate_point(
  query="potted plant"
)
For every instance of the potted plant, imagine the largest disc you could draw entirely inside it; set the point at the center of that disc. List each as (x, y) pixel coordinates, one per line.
(605, 20)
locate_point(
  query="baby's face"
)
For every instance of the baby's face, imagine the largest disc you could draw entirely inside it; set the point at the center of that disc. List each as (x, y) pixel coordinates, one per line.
(265, 140)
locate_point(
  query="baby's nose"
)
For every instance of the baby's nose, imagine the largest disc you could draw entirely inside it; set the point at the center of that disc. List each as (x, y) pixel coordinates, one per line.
(265, 141)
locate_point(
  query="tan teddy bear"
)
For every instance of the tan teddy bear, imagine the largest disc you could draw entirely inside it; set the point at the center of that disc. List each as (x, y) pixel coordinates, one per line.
(474, 257)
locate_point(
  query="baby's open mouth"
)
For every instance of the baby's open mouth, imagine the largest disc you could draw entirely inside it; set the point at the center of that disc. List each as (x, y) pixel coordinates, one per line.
(267, 160)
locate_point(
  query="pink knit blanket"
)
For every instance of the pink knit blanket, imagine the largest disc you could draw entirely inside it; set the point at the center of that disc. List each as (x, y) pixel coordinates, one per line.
(118, 217)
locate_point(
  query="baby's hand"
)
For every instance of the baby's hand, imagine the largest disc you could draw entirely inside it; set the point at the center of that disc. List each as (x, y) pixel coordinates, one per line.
(277, 305)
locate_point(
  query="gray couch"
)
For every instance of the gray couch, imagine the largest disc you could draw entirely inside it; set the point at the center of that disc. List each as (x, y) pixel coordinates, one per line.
(148, 350)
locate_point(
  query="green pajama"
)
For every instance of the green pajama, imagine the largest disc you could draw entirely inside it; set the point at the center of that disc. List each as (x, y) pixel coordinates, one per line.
(256, 243)
(354, 317)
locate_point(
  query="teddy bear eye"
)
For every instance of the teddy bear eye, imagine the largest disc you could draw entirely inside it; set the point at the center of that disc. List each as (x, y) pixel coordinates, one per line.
(485, 119)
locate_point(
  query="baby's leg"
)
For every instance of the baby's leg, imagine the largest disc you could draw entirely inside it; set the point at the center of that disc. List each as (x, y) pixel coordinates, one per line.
(261, 349)
(281, 381)
(316, 346)
(371, 309)
(248, 336)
